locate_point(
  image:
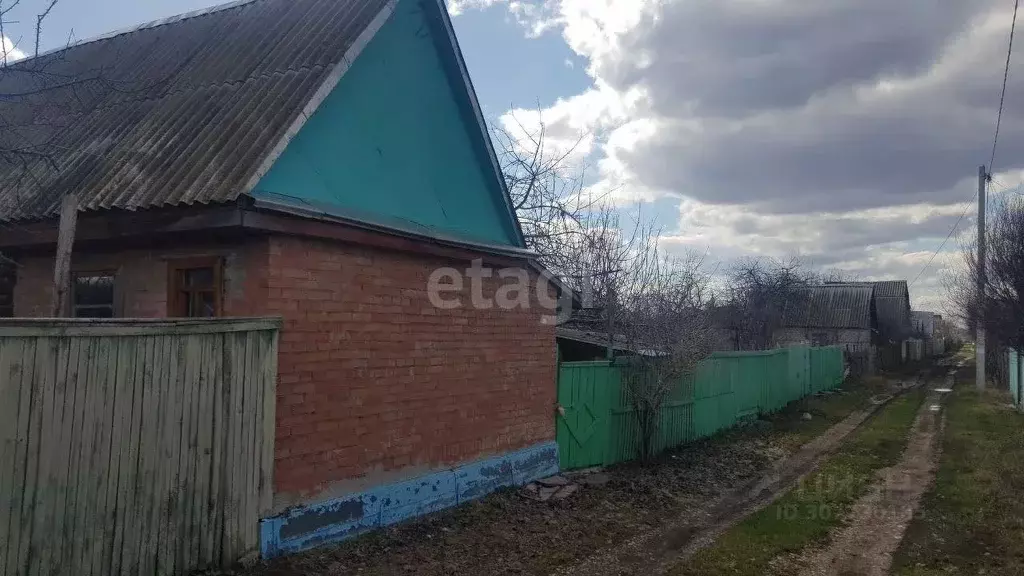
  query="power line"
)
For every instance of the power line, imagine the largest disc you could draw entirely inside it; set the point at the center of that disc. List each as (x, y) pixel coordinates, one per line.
(948, 236)
(1002, 96)
(995, 143)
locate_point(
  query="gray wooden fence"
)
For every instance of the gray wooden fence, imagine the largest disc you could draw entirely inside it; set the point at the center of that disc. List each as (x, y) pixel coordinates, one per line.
(134, 446)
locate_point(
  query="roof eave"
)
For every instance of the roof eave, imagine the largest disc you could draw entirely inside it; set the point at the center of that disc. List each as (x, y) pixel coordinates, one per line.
(315, 213)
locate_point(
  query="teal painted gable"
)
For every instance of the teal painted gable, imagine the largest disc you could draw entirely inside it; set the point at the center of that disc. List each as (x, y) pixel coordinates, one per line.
(393, 145)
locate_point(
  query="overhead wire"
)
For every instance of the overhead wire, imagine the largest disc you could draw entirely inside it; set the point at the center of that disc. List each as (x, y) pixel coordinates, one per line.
(995, 143)
(1002, 94)
(948, 236)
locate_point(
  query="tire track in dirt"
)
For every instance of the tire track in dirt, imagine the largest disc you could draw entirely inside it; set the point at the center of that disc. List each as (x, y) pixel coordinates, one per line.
(864, 545)
(657, 550)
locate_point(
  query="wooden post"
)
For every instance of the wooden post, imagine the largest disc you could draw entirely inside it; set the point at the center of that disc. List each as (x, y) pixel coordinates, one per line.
(62, 263)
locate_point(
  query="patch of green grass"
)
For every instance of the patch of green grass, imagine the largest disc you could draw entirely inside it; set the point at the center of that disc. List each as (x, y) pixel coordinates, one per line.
(826, 411)
(806, 514)
(972, 520)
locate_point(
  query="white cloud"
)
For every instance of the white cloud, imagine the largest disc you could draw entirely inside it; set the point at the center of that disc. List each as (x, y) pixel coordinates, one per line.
(848, 131)
(11, 51)
(457, 7)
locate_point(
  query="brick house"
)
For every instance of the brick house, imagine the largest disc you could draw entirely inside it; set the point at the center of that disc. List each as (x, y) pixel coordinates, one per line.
(317, 160)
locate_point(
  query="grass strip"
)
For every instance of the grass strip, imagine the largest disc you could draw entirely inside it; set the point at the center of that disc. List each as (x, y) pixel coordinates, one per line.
(806, 514)
(972, 520)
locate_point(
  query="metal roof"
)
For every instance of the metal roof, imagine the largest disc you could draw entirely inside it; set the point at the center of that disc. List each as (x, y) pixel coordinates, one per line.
(179, 111)
(892, 303)
(831, 306)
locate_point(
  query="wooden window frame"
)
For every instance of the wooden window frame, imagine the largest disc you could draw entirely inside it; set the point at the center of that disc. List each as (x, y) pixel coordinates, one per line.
(115, 309)
(176, 265)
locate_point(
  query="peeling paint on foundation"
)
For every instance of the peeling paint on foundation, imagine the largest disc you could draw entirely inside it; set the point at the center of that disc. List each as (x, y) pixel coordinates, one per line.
(306, 526)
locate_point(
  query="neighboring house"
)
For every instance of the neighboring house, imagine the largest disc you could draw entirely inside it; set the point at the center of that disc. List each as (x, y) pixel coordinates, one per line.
(584, 337)
(892, 299)
(924, 329)
(835, 315)
(922, 324)
(316, 160)
(895, 329)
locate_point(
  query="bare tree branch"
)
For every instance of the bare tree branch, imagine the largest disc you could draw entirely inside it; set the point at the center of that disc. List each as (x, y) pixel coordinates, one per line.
(760, 294)
(39, 22)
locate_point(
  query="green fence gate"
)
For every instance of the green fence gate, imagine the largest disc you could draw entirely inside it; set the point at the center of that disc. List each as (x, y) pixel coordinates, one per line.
(596, 425)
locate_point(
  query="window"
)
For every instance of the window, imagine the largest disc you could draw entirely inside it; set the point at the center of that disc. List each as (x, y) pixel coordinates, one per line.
(194, 289)
(93, 295)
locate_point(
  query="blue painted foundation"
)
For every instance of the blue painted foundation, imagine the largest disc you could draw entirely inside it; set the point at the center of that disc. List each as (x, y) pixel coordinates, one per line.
(304, 527)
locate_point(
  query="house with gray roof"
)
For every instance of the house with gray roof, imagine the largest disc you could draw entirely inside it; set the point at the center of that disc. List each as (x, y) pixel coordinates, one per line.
(842, 315)
(316, 160)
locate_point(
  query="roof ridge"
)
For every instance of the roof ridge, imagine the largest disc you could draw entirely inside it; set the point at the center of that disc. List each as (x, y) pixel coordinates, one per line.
(139, 27)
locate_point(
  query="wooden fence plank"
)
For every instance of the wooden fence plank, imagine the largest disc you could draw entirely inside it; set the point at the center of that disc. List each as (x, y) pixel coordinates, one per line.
(214, 538)
(102, 456)
(203, 454)
(189, 444)
(150, 494)
(95, 327)
(83, 493)
(139, 450)
(120, 441)
(236, 383)
(128, 463)
(269, 416)
(11, 368)
(253, 401)
(61, 533)
(172, 444)
(79, 411)
(98, 458)
(44, 357)
(52, 396)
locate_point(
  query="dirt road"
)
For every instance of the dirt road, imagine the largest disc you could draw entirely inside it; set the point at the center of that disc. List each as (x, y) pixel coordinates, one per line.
(655, 551)
(874, 529)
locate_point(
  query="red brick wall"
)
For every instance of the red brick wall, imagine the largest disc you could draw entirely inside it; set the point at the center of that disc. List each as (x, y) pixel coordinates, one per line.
(373, 378)
(375, 383)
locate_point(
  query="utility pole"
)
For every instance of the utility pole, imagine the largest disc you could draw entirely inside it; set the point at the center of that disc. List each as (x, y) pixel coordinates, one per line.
(979, 349)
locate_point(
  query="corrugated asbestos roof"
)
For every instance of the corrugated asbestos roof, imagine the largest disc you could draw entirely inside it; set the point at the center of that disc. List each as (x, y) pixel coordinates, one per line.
(891, 289)
(831, 306)
(892, 304)
(176, 112)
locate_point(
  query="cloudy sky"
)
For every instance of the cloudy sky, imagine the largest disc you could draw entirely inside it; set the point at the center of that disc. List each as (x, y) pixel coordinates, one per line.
(848, 132)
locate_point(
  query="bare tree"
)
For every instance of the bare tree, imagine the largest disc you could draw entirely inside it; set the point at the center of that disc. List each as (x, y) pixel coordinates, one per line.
(655, 306)
(548, 194)
(649, 303)
(761, 291)
(838, 276)
(1000, 303)
(667, 321)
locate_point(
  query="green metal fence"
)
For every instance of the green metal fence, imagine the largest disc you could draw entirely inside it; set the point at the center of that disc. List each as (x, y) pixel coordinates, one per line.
(596, 424)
